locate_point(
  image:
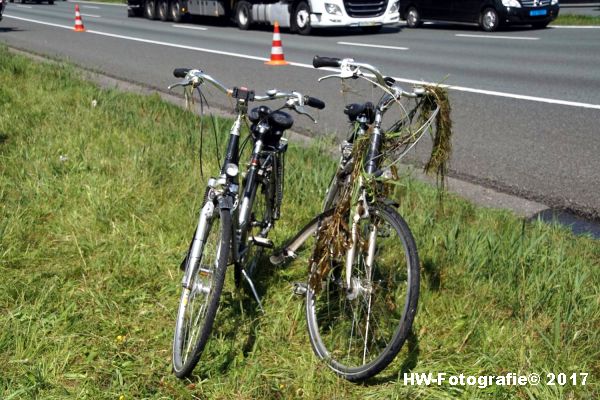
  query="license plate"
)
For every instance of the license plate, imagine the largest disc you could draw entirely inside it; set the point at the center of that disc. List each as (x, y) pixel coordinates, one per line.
(369, 23)
(536, 13)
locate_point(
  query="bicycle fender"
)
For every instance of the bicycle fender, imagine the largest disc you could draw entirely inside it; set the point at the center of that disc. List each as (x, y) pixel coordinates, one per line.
(225, 203)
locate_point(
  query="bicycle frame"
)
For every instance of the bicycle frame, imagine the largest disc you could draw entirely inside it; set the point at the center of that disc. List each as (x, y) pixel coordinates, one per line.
(345, 166)
(222, 193)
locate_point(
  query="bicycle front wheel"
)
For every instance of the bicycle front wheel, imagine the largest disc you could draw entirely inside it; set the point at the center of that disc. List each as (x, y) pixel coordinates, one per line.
(358, 328)
(198, 305)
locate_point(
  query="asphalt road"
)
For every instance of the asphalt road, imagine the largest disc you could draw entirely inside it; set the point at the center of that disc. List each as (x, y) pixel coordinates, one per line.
(526, 103)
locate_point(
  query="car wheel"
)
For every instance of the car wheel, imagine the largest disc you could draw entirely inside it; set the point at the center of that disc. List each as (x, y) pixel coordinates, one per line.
(489, 20)
(150, 9)
(175, 11)
(540, 25)
(243, 15)
(163, 10)
(413, 18)
(300, 22)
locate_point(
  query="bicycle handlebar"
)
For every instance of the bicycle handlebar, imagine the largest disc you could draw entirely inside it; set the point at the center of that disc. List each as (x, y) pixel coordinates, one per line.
(319, 62)
(295, 100)
(351, 69)
(314, 102)
(181, 72)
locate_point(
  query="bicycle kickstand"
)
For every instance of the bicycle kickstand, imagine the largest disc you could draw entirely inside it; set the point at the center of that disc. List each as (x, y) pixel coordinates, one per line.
(253, 289)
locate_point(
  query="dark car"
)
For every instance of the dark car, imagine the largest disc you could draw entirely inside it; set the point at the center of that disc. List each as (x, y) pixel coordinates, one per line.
(489, 14)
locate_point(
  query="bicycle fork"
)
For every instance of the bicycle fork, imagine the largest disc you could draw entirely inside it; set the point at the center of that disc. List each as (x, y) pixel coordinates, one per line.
(354, 287)
(195, 254)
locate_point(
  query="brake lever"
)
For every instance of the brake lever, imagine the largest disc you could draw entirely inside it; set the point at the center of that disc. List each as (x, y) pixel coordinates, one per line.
(345, 73)
(180, 83)
(330, 76)
(300, 110)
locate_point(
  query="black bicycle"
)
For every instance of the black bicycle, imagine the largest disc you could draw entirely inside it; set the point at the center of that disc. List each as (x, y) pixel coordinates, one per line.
(234, 221)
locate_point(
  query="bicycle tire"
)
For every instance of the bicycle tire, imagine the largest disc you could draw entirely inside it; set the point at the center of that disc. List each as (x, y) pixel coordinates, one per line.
(327, 309)
(184, 364)
(260, 219)
(259, 215)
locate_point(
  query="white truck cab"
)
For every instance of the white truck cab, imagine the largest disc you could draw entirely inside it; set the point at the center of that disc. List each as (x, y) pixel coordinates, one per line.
(368, 14)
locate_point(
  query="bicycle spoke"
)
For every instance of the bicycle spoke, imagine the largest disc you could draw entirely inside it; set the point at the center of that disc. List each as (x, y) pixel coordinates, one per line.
(357, 325)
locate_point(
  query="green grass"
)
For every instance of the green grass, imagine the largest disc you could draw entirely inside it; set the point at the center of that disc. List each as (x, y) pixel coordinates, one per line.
(97, 205)
(573, 19)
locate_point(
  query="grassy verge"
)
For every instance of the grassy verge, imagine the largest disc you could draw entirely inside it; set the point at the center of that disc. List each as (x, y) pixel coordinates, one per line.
(573, 19)
(98, 197)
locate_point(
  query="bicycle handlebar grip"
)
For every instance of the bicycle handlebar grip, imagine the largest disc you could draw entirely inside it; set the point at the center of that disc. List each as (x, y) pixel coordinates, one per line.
(181, 72)
(319, 62)
(314, 102)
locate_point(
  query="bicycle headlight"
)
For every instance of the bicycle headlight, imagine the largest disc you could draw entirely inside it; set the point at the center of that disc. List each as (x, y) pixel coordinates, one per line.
(511, 3)
(333, 9)
(231, 170)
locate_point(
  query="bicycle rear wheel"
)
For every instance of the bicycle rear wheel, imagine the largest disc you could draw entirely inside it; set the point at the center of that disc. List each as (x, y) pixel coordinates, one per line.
(258, 229)
(198, 305)
(358, 329)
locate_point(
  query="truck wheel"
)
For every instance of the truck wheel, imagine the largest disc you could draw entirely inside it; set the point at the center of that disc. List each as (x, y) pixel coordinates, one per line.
(163, 10)
(150, 9)
(243, 15)
(301, 19)
(413, 18)
(175, 10)
(489, 20)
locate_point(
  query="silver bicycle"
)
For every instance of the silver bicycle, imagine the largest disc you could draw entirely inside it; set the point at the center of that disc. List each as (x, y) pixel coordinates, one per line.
(363, 287)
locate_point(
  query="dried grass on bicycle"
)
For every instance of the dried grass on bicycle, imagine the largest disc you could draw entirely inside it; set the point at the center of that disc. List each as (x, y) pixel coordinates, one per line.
(334, 236)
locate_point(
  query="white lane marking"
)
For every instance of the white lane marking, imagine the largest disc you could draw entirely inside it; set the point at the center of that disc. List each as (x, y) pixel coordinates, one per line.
(379, 46)
(90, 15)
(309, 66)
(197, 28)
(575, 26)
(497, 37)
(92, 7)
(83, 2)
(505, 94)
(20, 6)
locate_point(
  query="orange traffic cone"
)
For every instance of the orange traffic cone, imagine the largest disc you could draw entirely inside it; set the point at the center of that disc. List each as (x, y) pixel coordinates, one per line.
(78, 22)
(277, 57)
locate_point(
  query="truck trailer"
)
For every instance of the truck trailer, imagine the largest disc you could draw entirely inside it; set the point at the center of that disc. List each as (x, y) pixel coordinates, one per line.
(301, 16)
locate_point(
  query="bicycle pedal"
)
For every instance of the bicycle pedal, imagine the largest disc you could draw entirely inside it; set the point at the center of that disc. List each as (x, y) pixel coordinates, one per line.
(262, 242)
(300, 288)
(281, 257)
